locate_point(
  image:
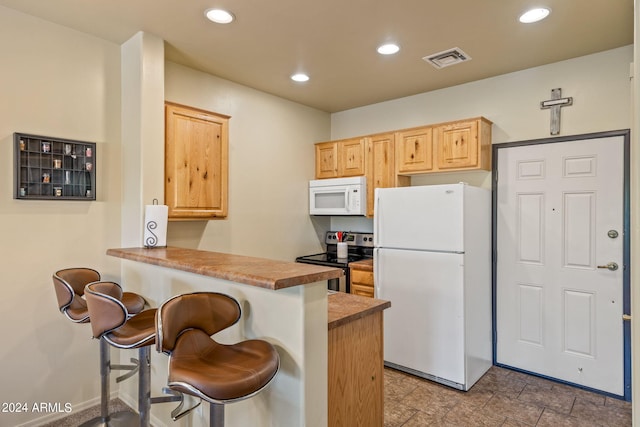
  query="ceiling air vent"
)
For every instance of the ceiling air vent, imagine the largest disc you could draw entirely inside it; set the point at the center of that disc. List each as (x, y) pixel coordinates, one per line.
(447, 58)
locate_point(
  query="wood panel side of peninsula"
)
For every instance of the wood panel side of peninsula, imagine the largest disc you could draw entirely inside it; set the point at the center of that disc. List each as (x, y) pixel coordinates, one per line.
(356, 364)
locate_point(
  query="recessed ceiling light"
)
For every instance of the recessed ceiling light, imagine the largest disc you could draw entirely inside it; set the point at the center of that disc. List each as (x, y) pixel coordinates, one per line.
(534, 15)
(300, 77)
(388, 49)
(219, 16)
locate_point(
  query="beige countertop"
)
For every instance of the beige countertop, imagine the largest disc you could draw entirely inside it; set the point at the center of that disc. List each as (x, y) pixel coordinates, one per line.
(260, 272)
(345, 308)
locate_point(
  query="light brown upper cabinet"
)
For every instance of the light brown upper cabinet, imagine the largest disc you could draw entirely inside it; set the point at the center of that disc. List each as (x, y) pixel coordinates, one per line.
(414, 148)
(196, 162)
(446, 147)
(351, 160)
(326, 160)
(337, 159)
(389, 159)
(381, 166)
(463, 145)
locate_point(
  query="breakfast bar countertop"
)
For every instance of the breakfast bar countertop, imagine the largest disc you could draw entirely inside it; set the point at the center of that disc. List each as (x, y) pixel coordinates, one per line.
(345, 308)
(260, 272)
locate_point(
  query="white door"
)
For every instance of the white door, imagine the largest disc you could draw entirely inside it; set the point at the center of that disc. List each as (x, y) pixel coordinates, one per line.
(424, 328)
(558, 311)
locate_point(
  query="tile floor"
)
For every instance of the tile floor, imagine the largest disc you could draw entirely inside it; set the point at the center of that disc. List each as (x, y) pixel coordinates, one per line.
(500, 398)
(76, 419)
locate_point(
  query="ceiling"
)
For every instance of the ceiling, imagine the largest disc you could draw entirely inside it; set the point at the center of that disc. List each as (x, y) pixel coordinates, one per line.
(334, 41)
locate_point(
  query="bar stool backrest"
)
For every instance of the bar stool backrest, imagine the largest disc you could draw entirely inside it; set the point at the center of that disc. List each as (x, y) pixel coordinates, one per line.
(69, 285)
(104, 300)
(210, 312)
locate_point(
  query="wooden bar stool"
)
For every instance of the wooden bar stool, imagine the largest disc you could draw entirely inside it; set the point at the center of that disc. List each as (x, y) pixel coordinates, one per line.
(112, 324)
(201, 367)
(69, 285)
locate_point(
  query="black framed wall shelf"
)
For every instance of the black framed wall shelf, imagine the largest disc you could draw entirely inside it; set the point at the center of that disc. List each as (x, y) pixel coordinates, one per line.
(47, 168)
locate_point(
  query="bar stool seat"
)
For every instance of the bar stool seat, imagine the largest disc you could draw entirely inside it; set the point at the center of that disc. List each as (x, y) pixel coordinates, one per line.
(137, 331)
(202, 367)
(217, 372)
(69, 284)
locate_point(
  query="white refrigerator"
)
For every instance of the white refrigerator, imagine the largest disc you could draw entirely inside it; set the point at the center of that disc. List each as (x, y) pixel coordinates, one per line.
(432, 260)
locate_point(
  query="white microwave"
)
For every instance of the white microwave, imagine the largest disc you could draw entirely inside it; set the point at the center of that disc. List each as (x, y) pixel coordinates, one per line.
(338, 196)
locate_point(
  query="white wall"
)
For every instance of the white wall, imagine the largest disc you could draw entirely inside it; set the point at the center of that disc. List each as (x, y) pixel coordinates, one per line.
(599, 85)
(271, 156)
(60, 83)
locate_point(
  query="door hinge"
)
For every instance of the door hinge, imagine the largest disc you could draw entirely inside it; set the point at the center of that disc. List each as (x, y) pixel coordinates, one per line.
(626, 317)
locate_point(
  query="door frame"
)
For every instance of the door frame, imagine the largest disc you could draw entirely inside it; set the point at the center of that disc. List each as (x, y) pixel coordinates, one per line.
(626, 277)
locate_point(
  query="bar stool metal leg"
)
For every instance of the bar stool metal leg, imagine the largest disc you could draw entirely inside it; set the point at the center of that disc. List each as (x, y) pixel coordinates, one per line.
(117, 419)
(144, 385)
(216, 415)
(105, 368)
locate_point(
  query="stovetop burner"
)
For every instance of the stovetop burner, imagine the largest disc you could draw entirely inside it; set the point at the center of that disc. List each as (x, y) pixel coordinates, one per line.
(330, 258)
(360, 246)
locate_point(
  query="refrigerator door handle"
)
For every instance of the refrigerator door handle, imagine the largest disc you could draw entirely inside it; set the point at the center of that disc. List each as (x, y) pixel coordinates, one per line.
(377, 217)
(376, 273)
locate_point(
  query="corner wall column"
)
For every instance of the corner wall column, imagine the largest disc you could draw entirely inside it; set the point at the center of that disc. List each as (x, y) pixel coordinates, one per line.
(142, 87)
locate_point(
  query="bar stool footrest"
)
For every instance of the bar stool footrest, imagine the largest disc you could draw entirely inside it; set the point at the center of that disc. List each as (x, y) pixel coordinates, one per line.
(178, 412)
(133, 369)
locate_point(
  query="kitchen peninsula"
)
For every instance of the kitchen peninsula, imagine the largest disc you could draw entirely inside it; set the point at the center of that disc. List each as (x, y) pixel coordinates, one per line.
(284, 303)
(261, 272)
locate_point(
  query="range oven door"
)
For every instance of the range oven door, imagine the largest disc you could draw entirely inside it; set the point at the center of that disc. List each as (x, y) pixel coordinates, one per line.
(341, 284)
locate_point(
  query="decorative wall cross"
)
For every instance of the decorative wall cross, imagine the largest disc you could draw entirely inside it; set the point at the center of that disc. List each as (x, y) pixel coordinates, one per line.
(555, 104)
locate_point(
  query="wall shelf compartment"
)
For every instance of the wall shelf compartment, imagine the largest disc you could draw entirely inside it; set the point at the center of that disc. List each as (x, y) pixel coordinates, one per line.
(47, 168)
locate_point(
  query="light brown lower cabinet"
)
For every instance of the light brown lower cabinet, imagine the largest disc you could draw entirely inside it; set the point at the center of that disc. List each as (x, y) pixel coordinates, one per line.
(362, 282)
(356, 373)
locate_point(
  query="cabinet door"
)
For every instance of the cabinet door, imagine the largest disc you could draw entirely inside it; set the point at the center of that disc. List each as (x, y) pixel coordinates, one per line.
(457, 145)
(352, 157)
(362, 277)
(414, 150)
(196, 163)
(381, 167)
(326, 160)
(362, 282)
(363, 291)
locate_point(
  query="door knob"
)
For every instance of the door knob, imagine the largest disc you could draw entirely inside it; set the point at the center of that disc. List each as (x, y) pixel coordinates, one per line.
(610, 266)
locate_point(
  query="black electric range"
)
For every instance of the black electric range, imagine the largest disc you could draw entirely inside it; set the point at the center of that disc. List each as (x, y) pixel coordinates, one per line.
(360, 246)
